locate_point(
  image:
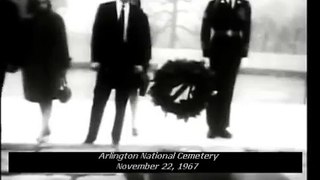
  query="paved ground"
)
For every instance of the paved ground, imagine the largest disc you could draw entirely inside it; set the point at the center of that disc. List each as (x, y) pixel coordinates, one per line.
(268, 113)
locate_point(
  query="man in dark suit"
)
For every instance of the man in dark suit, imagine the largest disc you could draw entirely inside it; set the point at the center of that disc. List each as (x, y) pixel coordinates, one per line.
(229, 21)
(119, 43)
(10, 22)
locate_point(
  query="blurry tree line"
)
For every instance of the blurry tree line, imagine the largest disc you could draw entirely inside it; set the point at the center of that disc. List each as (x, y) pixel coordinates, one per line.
(276, 27)
(280, 30)
(177, 24)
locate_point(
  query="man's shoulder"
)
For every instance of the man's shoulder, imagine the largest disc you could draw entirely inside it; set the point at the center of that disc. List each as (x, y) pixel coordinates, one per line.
(137, 10)
(213, 3)
(246, 2)
(107, 4)
(134, 7)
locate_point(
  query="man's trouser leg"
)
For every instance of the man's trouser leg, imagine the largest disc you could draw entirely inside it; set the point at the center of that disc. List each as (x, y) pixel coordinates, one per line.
(122, 96)
(101, 96)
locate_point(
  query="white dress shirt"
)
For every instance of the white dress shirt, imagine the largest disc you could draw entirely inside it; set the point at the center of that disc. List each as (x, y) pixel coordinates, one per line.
(232, 2)
(126, 16)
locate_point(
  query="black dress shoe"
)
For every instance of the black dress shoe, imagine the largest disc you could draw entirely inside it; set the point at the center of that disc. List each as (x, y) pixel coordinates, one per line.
(115, 143)
(212, 134)
(88, 141)
(225, 134)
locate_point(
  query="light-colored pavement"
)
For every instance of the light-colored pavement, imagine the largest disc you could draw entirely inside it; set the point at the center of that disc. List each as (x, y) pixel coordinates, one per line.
(268, 114)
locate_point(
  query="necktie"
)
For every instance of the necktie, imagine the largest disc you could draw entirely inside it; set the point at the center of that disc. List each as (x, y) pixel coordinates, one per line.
(121, 22)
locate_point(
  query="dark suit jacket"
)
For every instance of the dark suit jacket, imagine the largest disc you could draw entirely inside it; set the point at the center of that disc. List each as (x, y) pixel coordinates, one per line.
(107, 44)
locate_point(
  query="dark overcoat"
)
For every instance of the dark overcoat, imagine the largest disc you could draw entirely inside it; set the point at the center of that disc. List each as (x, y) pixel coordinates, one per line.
(46, 56)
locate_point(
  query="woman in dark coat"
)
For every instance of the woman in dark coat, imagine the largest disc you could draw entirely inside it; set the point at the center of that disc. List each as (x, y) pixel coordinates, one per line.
(47, 58)
(141, 83)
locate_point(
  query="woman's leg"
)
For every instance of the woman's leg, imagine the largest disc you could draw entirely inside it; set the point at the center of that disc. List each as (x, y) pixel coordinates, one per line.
(133, 98)
(46, 108)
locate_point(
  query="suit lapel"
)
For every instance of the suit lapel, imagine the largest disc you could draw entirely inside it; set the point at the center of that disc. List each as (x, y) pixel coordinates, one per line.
(114, 12)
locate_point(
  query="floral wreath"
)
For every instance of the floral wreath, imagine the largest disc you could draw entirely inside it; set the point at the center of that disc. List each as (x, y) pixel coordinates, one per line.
(182, 87)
